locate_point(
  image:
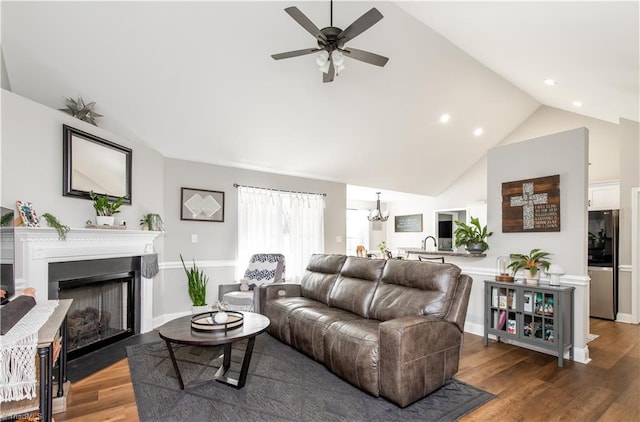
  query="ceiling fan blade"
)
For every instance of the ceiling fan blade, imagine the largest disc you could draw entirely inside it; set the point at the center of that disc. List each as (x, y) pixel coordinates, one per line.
(361, 24)
(328, 77)
(295, 53)
(305, 22)
(365, 56)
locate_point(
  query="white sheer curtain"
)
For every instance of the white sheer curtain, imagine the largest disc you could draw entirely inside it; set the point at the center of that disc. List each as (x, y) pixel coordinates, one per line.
(289, 223)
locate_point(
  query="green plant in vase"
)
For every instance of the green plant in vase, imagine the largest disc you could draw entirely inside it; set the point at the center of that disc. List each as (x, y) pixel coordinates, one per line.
(105, 207)
(197, 284)
(473, 236)
(530, 264)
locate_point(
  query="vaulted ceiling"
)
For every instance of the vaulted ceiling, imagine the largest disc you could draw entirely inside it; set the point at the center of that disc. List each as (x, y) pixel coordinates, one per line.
(195, 80)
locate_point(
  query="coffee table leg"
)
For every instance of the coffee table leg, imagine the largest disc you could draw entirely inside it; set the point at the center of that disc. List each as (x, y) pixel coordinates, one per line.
(237, 383)
(175, 364)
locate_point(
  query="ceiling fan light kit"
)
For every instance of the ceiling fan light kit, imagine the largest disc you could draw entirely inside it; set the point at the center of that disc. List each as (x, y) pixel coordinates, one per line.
(331, 40)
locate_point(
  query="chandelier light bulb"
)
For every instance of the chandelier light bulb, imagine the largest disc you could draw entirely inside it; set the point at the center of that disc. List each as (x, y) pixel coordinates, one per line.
(322, 58)
(338, 58)
(325, 67)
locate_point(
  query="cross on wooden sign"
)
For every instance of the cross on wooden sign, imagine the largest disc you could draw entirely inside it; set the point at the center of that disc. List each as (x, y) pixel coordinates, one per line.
(531, 205)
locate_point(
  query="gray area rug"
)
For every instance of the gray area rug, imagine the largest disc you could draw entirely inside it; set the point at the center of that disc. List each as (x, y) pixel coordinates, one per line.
(282, 385)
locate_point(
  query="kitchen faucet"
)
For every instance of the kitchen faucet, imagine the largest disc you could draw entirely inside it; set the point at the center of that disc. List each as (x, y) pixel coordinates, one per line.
(424, 242)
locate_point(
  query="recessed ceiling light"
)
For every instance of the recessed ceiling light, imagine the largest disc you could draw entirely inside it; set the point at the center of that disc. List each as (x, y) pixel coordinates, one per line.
(550, 82)
(445, 118)
(577, 103)
(478, 131)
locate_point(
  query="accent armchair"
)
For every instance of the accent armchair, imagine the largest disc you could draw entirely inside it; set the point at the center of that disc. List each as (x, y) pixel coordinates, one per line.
(263, 268)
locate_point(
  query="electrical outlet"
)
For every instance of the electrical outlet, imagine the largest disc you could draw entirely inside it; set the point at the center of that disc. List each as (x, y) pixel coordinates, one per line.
(194, 238)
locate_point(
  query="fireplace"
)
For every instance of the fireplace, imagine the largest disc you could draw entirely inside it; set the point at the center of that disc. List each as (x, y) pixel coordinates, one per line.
(37, 248)
(106, 300)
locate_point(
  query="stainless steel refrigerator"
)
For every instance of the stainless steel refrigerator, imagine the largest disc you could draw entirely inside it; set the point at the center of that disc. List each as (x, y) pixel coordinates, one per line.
(603, 263)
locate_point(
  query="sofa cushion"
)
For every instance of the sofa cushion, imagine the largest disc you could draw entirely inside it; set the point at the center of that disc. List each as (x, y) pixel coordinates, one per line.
(354, 288)
(319, 276)
(414, 288)
(278, 312)
(309, 325)
(351, 352)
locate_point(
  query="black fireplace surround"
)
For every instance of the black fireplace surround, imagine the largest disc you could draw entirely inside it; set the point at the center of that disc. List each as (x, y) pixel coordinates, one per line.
(118, 280)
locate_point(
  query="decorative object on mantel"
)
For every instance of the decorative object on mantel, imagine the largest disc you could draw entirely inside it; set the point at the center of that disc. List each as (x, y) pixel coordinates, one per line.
(80, 110)
(554, 271)
(530, 264)
(52, 221)
(531, 205)
(27, 214)
(91, 225)
(473, 236)
(6, 219)
(152, 222)
(502, 269)
(105, 208)
(197, 286)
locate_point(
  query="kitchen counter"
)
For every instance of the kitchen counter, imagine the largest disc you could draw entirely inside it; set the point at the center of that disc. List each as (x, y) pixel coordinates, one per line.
(417, 251)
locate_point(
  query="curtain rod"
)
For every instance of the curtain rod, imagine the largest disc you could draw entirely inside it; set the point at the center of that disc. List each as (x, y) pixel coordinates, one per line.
(235, 185)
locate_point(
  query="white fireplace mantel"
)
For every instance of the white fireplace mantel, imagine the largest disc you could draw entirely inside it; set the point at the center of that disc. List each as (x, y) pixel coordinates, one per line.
(36, 247)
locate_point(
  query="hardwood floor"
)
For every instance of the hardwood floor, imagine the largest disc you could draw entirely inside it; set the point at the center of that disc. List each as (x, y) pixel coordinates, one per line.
(528, 385)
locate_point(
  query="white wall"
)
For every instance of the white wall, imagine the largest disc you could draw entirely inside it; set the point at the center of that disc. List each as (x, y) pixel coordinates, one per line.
(32, 165)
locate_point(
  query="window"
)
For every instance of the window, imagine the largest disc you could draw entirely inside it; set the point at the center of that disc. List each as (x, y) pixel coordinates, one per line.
(357, 230)
(290, 223)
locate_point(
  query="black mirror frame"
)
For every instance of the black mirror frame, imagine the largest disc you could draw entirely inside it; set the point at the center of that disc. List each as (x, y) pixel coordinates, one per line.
(67, 133)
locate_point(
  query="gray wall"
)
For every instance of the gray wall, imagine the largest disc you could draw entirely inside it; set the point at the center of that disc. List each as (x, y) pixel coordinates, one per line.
(31, 168)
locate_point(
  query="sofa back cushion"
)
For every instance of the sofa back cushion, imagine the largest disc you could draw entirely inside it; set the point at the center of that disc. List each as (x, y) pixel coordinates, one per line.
(414, 288)
(322, 271)
(356, 284)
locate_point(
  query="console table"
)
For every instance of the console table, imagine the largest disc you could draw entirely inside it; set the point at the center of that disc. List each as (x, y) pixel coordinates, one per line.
(55, 328)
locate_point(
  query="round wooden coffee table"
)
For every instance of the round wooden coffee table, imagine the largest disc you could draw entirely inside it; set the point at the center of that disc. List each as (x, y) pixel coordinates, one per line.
(179, 331)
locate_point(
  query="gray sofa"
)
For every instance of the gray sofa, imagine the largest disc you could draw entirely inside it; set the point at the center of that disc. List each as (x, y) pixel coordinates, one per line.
(392, 328)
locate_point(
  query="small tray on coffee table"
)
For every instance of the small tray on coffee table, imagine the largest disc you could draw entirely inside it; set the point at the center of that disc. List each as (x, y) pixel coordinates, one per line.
(205, 321)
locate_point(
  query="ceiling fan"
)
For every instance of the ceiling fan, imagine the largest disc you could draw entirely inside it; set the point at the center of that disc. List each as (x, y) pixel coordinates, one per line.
(331, 41)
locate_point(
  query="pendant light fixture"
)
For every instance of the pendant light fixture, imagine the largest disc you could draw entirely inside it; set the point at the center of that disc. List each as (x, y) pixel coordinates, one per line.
(377, 214)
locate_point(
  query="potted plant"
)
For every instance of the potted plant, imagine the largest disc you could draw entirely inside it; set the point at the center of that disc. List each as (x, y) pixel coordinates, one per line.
(105, 208)
(530, 264)
(197, 286)
(152, 222)
(472, 236)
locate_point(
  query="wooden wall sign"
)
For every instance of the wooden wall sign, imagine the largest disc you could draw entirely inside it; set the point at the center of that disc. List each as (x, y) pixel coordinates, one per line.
(531, 205)
(408, 223)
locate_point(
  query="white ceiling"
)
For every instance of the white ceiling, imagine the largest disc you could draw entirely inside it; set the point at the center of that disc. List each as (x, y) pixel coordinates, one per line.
(195, 80)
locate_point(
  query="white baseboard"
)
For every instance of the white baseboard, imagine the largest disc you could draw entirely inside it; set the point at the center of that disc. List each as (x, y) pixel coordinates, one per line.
(474, 328)
(626, 318)
(163, 319)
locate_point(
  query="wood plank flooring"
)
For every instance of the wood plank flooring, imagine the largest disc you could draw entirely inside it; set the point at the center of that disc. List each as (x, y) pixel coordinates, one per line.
(528, 385)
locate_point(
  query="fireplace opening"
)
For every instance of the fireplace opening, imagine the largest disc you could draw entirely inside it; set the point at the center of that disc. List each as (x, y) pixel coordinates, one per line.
(100, 313)
(106, 301)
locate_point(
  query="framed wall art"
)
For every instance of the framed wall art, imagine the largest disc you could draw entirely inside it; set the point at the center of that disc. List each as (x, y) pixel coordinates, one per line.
(531, 205)
(201, 205)
(408, 223)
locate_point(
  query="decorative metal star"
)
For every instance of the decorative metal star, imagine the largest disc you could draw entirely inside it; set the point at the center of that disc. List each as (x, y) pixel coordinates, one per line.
(80, 110)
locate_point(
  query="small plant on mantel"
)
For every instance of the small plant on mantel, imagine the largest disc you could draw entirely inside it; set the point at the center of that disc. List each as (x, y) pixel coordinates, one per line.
(104, 206)
(52, 221)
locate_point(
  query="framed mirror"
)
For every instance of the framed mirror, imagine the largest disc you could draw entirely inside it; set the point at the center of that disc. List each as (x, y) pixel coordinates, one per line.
(94, 164)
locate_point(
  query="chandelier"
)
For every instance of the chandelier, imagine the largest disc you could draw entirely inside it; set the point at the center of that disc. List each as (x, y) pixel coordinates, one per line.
(377, 214)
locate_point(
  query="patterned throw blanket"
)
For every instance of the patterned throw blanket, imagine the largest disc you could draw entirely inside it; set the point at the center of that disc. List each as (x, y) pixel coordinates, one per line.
(18, 354)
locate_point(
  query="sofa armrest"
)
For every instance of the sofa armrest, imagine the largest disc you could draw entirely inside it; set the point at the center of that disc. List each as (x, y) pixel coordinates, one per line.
(418, 354)
(226, 288)
(277, 290)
